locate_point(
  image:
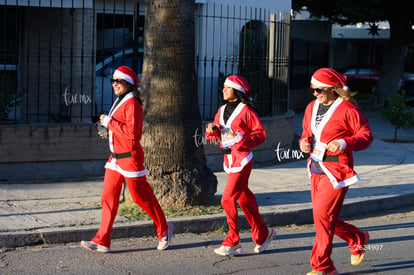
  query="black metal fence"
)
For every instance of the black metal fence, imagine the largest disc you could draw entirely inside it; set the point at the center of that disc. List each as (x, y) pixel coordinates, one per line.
(249, 41)
(56, 60)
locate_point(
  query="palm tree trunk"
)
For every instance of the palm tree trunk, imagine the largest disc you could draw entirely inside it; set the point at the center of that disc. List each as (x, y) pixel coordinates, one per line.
(177, 167)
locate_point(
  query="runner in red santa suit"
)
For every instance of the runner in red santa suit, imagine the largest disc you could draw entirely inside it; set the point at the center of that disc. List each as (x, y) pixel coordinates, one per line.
(239, 129)
(333, 127)
(124, 124)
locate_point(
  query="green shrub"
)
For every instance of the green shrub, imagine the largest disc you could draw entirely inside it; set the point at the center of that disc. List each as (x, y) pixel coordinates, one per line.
(399, 113)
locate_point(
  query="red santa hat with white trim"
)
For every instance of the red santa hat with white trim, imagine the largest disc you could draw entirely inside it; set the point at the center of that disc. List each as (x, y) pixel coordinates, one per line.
(327, 77)
(127, 74)
(239, 83)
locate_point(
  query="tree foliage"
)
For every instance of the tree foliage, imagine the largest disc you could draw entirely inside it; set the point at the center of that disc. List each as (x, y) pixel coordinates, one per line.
(400, 17)
(9, 97)
(346, 12)
(399, 113)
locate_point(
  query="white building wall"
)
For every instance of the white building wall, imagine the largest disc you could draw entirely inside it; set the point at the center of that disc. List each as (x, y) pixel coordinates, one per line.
(218, 28)
(283, 5)
(360, 31)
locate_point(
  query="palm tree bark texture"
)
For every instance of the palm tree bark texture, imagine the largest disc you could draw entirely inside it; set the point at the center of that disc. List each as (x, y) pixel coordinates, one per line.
(177, 166)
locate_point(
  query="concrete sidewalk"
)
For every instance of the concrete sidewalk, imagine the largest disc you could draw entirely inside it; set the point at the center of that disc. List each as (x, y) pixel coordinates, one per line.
(69, 211)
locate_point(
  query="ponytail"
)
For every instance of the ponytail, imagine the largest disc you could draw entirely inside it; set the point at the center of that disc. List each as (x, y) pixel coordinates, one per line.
(136, 92)
(346, 95)
(244, 99)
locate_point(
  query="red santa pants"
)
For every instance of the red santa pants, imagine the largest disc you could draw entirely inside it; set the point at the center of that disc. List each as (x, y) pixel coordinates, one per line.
(141, 193)
(327, 204)
(237, 190)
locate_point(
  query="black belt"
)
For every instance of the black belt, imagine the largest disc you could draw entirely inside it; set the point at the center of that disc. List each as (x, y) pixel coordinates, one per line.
(330, 158)
(121, 155)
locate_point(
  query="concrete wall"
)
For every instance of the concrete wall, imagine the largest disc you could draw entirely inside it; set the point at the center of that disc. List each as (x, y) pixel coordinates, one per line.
(50, 152)
(27, 143)
(32, 153)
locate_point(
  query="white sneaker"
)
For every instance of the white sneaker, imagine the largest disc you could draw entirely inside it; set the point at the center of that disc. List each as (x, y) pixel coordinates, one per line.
(166, 240)
(229, 250)
(90, 245)
(270, 236)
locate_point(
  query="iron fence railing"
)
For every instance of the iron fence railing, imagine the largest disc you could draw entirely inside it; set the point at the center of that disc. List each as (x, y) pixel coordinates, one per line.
(249, 41)
(56, 60)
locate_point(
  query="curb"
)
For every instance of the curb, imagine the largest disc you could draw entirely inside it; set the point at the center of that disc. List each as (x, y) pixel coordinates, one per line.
(195, 224)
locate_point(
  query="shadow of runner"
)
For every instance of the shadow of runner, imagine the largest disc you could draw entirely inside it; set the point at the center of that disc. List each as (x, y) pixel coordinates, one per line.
(389, 268)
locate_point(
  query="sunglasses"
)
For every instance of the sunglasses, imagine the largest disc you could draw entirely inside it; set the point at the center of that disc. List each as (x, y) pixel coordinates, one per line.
(117, 81)
(318, 90)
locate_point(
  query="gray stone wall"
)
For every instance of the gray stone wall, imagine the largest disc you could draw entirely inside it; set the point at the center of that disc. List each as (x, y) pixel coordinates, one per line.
(50, 152)
(32, 153)
(31, 143)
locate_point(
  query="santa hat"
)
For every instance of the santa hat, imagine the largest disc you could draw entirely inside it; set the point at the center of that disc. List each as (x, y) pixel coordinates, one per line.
(127, 74)
(239, 83)
(327, 77)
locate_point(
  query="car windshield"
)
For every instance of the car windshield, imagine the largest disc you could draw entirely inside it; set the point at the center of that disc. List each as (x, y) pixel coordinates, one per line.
(366, 71)
(350, 71)
(120, 59)
(104, 96)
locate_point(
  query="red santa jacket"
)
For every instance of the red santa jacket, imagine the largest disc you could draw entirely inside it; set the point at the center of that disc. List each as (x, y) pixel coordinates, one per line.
(345, 122)
(244, 122)
(124, 123)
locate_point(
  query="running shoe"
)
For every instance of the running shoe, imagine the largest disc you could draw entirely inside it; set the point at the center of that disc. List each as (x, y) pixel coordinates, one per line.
(262, 247)
(314, 272)
(229, 250)
(90, 245)
(357, 259)
(165, 241)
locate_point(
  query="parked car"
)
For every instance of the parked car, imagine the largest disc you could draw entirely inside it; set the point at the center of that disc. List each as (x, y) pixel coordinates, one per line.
(362, 79)
(104, 96)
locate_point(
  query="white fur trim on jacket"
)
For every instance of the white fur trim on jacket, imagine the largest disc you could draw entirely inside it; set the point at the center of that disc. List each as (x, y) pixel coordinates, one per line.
(129, 174)
(237, 169)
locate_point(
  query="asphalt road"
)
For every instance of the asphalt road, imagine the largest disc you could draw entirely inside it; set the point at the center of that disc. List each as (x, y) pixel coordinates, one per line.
(390, 252)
